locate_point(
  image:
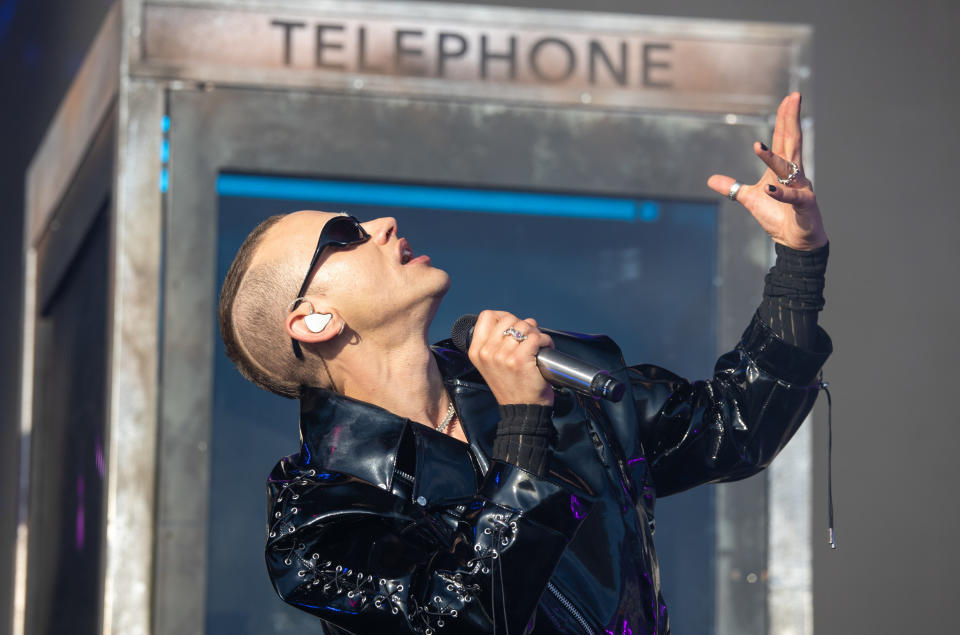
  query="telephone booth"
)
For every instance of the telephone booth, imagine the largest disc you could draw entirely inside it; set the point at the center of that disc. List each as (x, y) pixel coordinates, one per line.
(554, 163)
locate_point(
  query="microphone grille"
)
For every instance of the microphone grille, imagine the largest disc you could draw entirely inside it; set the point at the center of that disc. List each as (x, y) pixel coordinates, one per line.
(462, 331)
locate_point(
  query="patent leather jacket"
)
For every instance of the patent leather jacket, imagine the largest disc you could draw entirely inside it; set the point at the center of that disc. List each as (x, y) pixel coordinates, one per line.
(382, 525)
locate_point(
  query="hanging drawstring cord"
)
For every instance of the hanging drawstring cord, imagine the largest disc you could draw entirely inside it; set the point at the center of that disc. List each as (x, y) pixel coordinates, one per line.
(831, 529)
(503, 596)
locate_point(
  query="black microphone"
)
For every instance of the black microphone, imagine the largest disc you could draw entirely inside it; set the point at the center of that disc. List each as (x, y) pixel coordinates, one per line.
(560, 370)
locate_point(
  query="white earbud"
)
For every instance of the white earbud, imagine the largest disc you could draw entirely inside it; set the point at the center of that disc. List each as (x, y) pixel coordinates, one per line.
(316, 322)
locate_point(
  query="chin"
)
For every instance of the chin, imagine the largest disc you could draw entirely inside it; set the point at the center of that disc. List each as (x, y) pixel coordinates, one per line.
(434, 295)
(444, 286)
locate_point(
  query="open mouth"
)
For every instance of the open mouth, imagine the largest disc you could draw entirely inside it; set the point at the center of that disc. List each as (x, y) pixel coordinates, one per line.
(406, 254)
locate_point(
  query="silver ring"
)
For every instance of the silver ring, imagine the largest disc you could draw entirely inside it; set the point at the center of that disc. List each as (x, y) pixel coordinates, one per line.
(515, 334)
(734, 190)
(794, 172)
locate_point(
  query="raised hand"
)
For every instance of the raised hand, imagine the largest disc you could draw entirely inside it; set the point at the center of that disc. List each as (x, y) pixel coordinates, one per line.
(789, 213)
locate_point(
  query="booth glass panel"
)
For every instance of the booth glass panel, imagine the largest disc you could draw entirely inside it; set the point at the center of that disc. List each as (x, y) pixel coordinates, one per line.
(67, 463)
(642, 271)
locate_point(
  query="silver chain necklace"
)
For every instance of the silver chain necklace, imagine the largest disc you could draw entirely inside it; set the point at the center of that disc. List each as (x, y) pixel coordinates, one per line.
(447, 419)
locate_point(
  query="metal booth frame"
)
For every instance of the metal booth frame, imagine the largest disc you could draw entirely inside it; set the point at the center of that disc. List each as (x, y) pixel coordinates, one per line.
(181, 121)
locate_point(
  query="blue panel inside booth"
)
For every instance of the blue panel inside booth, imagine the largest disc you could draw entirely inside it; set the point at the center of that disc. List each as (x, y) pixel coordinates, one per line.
(639, 270)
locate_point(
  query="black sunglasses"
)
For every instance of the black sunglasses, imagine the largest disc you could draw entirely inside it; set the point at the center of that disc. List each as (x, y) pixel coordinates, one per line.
(339, 231)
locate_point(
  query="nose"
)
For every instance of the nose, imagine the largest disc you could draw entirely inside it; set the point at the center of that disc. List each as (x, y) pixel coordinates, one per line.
(381, 229)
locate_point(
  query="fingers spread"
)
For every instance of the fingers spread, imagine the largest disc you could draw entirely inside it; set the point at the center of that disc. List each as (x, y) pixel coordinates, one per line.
(780, 166)
(787, 137)
(721, 184)
(800, 199)
(746, 196)
(793, 137)
(779, 129)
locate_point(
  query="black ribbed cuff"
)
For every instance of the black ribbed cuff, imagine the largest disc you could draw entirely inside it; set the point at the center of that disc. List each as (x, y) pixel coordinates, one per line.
(793, 294)
(523, 436)
(797, 279)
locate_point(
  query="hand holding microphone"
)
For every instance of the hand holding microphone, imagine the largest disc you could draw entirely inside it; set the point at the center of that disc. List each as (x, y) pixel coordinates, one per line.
(519, 363)
(504, 349)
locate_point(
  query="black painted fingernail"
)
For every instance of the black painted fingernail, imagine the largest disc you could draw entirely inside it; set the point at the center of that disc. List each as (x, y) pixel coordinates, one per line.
(771, 188)
(764, 147)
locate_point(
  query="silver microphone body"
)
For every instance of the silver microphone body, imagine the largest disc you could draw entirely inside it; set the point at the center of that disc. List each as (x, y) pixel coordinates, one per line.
(558, 369)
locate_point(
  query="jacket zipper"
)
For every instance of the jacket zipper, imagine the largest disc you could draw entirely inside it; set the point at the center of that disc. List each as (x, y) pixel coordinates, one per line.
(403, 475)
(567, 604)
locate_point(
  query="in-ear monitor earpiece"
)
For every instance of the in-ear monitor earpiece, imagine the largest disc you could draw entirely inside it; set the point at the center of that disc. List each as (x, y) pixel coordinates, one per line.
(315, 322)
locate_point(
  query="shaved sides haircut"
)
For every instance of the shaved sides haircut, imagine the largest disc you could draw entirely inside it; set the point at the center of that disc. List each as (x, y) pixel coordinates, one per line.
(251, 316)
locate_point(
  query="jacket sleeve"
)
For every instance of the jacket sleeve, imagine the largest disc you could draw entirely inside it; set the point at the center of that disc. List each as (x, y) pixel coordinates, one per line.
(732, 425)
(369, 561)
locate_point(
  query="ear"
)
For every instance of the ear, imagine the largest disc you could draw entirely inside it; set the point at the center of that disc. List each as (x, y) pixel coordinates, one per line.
(313, 328)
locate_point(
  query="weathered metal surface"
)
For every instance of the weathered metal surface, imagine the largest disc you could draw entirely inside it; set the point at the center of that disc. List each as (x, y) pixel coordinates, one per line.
(132, 371)
(85, 105)
(477, 52)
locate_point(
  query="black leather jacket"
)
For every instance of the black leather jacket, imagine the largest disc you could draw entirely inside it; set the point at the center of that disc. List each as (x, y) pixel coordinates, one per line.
(383, 525)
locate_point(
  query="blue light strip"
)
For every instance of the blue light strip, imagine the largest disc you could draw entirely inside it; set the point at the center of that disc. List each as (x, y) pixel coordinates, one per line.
(428, 197)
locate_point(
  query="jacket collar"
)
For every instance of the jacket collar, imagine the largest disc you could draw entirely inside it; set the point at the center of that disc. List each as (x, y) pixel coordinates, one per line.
(345, 435)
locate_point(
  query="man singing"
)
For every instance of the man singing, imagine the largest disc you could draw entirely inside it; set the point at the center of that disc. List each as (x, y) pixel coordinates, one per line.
(438, 491)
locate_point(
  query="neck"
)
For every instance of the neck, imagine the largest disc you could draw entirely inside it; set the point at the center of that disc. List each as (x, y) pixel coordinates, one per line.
(399, 376)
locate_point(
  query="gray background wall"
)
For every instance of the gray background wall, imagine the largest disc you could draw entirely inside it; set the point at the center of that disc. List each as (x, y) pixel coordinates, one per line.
(886, 134)
(42, 43)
